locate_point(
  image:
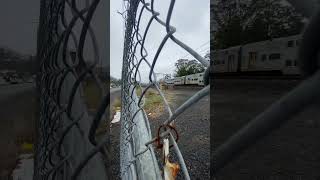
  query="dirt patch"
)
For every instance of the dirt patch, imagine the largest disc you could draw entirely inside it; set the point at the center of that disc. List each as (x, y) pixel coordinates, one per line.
(154, 105)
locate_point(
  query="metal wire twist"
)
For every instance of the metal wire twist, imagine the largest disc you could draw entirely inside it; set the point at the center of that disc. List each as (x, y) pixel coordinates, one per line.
(66, 147)
(137, 158)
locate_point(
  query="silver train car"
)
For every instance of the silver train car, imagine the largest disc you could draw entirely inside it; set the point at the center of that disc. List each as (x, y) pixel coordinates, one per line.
(179, 80)
(277, 55)
(192, 79)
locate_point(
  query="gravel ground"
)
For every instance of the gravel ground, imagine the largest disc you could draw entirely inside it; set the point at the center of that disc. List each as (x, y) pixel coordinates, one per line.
(115, 151)
(193, 129)
(290, 152)
(115, 140)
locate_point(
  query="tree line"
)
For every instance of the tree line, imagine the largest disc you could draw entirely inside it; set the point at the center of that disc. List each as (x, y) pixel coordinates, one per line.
(186, 67)
(239, 22)
(12, 60)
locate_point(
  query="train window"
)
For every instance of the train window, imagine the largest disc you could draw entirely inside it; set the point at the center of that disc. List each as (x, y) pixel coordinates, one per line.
(263, 57)
(288, 63)
(290, 43)
(274, 56)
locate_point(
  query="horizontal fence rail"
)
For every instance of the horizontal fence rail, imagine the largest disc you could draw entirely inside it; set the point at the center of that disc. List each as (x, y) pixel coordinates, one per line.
(137, 155)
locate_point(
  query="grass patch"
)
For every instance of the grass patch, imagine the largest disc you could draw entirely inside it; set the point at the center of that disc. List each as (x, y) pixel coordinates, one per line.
(153, 101)
(138, 91)
(117, 103)
(26, 147)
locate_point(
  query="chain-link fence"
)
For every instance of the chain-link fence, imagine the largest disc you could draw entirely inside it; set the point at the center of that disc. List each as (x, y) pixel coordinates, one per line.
(289, 105)
(66, 146)
(137, 156)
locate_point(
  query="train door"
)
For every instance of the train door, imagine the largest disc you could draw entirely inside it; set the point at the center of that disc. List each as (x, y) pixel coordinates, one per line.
(252, 59)
(231, 63)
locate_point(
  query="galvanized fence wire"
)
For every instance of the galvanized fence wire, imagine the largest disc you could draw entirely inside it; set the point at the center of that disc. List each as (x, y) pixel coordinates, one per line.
(66, 146)
(137, 156)
(294, 102)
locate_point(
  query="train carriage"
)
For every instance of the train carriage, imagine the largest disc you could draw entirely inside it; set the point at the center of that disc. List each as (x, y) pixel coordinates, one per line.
(192, 79)
(276, 55)
(262, 56)
(272, 55)
(200, 79)
(291, 66)
(169, 81)
(226, 60)
(179, 80)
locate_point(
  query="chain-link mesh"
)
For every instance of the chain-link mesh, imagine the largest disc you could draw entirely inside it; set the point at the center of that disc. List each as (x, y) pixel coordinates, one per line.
(66, 146)
(137, 156)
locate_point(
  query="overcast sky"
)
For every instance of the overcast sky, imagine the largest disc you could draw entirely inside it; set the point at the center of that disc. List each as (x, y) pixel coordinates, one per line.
(18, 27)
(191, 19)
(19, 24)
